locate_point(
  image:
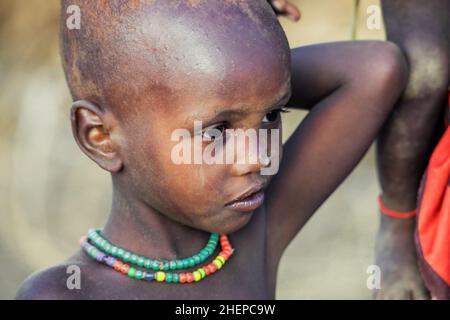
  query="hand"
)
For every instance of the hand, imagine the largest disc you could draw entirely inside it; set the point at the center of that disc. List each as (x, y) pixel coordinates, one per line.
(286, 8)
(397, 258)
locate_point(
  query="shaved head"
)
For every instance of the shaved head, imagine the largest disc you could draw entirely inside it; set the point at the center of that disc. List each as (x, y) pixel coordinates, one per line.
(160, 47)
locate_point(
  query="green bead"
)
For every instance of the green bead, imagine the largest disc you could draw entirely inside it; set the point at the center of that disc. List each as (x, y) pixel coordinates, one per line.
(172, 265)
(169, 277)
(133, 259)
(126, 257)
(204, 252)
(180, 264)
(185, 264)
(140, 261)
(197, 276)
(114, 251)
(166, 266)
(138, 275)
(155, 265)
(196, 259)
(175, 278)
(148, 263)
(131, 272)
(120, 252)
(191, 262)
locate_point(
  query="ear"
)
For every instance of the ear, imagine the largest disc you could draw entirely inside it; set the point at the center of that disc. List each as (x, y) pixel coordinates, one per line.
(91, 128)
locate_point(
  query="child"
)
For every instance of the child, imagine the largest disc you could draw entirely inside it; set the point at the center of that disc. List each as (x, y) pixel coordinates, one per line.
(420, 28)
(140, 70)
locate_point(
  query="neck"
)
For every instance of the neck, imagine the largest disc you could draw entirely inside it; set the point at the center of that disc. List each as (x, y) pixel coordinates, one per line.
(136, 227)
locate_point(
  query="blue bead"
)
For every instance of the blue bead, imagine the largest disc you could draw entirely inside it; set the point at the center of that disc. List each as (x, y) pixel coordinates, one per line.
(111, 261)
(149, 276)
(99, 256)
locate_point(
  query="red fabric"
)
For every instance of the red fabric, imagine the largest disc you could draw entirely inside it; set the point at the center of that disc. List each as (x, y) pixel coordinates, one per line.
(433, 225)
(433, 222)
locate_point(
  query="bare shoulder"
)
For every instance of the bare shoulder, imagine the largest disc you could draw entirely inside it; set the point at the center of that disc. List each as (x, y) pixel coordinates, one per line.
(59, 282)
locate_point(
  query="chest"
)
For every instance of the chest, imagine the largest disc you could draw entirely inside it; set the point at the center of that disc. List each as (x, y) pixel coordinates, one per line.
(246, 275)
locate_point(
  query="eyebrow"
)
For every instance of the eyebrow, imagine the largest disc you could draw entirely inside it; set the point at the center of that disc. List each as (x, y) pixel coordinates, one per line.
(238, 112)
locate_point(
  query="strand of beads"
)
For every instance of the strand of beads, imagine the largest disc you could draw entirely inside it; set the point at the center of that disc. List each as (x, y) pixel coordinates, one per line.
(94, 235)
(160, 276)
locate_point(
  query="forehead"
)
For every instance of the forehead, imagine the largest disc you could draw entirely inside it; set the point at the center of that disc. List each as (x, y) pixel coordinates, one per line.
(222, 51)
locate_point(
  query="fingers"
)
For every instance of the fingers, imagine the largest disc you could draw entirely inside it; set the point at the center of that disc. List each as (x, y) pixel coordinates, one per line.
(286, 8)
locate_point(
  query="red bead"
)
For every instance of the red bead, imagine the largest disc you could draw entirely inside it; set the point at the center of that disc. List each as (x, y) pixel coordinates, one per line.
(117, 265)
(189, 277)
(212, 267)
(124, 268)
(182, 277)
(224, 255)
(207, 271)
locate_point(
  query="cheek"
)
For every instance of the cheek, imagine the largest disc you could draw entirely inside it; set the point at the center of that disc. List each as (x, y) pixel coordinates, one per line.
(186, 187)
(200, 185)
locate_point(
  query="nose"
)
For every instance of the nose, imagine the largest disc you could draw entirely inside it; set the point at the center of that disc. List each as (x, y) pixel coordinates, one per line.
(250, 162)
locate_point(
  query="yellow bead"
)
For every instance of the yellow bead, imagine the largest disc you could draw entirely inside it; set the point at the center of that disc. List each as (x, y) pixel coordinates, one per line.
(202, 272)
(221, 259)
(218, 263)
(197, 276)
(160, 276)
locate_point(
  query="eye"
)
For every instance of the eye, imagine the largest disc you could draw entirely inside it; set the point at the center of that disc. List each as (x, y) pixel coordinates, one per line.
(274, 115)
(214, 132)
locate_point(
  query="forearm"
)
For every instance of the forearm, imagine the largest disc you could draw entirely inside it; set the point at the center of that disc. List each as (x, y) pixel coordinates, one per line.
(352, 88)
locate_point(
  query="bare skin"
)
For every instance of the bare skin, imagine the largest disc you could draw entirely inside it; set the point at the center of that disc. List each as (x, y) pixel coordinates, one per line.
(164, 210)
(420, 28)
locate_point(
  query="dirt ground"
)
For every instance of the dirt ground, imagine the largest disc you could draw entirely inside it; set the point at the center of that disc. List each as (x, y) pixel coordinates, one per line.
(327, 260)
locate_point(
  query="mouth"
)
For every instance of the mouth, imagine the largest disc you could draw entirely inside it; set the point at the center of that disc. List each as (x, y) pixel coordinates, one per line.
(249, 200)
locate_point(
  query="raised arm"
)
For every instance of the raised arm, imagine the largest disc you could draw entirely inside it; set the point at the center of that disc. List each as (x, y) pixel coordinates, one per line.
(351, 88)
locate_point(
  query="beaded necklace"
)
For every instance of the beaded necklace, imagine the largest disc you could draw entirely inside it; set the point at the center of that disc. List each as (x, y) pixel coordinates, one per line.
(101, 250)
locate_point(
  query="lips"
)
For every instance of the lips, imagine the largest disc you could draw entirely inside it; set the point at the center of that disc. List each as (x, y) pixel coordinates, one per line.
(249, 200)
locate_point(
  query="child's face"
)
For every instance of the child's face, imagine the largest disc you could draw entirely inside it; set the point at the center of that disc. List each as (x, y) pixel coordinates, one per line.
(229, 78)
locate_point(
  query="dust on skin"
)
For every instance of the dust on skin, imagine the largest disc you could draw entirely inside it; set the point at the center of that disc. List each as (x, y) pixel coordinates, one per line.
(426, 74)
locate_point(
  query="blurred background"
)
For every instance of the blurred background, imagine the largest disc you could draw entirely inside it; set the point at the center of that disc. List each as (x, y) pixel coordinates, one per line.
(50, 193)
